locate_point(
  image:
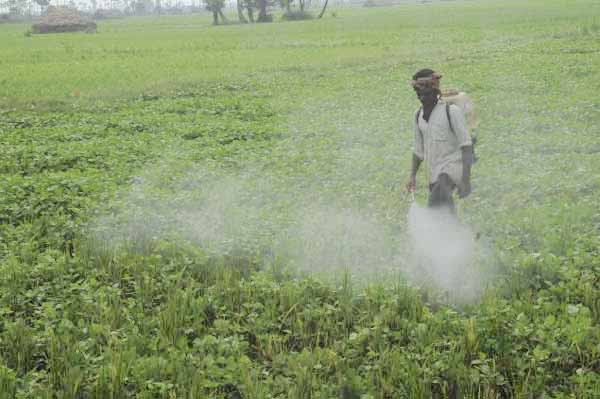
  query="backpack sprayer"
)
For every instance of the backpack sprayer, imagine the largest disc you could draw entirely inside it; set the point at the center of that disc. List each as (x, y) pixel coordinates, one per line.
(464, 102)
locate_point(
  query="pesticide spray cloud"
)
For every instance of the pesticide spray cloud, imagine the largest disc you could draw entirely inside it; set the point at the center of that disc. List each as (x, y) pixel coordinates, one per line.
(308, 232)
(226, 213)
(444, 251)
(328, 213)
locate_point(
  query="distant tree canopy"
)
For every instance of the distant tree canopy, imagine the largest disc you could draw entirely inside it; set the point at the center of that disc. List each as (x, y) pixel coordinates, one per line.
(248, 11)
(250, 7)
(15, 7)
(216, 7)
(293, 10)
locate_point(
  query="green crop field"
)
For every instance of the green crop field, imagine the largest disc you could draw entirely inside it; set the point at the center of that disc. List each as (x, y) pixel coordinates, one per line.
(189, 211)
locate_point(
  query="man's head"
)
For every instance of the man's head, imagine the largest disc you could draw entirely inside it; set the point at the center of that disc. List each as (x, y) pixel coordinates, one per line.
(426, 83)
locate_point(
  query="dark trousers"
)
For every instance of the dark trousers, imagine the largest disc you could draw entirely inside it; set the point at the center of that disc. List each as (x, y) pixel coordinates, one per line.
(440, 193)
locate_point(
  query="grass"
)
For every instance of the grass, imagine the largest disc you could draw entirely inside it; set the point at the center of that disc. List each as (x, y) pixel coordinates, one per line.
(178, 204)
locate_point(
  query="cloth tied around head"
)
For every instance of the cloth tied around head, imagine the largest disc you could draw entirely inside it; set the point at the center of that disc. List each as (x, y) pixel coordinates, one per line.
(427, 82)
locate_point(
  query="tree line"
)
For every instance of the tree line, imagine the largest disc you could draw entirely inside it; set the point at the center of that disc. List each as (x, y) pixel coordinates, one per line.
(248, 11)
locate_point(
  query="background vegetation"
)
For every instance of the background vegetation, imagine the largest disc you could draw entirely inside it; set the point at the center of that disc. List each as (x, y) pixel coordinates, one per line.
(96, 303)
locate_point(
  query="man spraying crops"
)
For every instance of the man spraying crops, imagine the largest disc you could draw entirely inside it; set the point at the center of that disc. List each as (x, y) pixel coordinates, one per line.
(441, 139)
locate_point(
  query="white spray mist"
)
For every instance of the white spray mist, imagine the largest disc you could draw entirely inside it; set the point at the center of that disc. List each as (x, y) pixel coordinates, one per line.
(444, 252)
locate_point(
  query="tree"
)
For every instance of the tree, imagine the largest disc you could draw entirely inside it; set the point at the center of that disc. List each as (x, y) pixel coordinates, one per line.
(287, 4)
(16, 7)
(263, 15)
(43, 4)
(323, 10)
(240, 10)
(216, 7)
(250, 6)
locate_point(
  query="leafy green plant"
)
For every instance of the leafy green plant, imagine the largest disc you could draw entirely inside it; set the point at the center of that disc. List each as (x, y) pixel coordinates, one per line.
(116, 282)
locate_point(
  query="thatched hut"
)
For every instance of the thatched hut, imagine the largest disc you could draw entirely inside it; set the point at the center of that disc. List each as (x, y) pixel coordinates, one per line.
(63, 19)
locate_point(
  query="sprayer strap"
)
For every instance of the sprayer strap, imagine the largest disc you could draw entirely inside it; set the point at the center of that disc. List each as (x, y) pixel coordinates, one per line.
(447, 115)
(449, 118)
(474, 139)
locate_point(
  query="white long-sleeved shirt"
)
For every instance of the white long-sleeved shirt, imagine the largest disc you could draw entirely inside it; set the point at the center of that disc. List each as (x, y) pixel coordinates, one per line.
(438, 145)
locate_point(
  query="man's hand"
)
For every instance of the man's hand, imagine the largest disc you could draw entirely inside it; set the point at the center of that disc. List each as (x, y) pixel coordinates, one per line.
(465, 188)
(411, 186)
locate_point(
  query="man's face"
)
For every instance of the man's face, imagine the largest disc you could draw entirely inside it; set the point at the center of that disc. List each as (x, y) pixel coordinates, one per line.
(427, 96)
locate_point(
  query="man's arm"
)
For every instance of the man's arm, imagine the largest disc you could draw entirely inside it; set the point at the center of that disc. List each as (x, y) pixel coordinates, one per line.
(417, 156)
(467, 161)
(412, 183)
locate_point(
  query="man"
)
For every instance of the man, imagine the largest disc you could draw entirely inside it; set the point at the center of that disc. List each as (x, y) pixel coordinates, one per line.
(444, 144)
